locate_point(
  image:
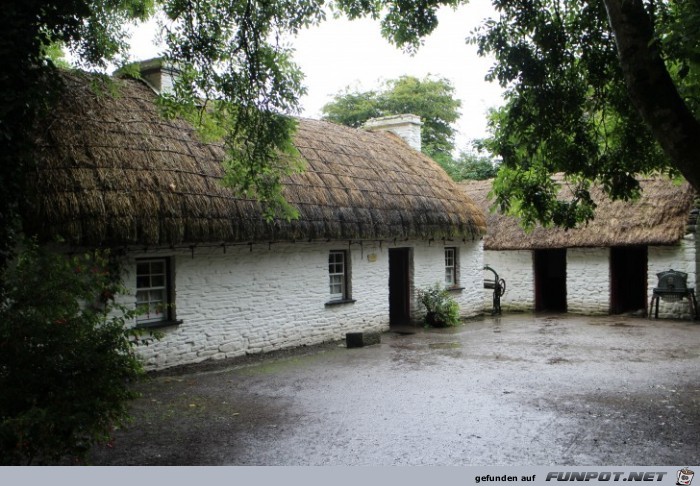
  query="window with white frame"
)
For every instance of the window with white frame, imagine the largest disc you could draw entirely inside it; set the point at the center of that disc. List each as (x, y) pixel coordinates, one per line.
(450, 267)
(153, 290)
(338, 274)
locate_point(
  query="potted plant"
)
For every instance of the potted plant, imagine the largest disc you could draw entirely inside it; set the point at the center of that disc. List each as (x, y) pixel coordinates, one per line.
(441, 309)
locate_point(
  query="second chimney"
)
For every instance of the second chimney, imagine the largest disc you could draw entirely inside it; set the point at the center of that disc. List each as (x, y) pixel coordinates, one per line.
(405, 126)
(158, 73)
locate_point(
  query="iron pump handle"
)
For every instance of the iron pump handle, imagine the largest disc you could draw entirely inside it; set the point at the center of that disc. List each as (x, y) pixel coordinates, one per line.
(486, 267)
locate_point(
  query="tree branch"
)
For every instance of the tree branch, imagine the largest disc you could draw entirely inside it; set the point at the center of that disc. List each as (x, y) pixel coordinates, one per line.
(651, 88)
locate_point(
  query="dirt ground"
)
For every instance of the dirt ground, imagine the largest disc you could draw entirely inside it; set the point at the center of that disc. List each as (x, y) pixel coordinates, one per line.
(516, 390)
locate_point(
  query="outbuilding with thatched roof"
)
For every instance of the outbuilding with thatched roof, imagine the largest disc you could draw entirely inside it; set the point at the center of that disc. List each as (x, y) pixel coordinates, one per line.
(609, 265)
(377, 220)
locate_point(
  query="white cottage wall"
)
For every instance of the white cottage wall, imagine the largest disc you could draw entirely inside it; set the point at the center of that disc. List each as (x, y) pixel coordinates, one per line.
(471, 278)
(683, 258)
(588, 280)
(259, 298)
(588, 277)
(429, 269)
(516, 268)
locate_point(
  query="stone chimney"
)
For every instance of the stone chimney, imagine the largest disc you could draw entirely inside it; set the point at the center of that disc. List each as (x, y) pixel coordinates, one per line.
(405, 126)
(158, 73)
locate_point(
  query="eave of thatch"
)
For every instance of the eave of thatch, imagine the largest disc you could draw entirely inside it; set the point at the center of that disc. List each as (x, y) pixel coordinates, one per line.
(111, 171)
(658, 217)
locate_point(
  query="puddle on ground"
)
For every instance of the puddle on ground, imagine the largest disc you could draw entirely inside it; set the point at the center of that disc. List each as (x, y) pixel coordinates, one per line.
(451, 345)
(621, 324)
(406, 345)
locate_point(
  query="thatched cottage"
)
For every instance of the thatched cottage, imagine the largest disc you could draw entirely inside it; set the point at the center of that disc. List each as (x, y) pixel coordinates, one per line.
(377, 221)
(609, 266)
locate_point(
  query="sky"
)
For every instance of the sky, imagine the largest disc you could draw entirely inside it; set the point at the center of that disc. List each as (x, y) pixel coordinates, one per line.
(340, 53)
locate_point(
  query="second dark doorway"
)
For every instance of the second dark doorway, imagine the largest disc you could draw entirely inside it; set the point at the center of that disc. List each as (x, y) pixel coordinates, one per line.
(550, 280)
(628, 279)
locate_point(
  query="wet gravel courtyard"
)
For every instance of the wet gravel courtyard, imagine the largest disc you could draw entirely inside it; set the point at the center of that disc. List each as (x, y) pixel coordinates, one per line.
(515, 390)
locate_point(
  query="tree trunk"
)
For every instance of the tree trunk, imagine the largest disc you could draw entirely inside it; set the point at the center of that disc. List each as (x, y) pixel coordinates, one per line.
(651, 88)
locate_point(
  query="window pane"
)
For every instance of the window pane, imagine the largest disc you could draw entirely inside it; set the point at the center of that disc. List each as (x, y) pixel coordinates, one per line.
(336, 274)
(141, 297)
(450, 266)
(158, 267)
(152, 293)
(154, 313)
(157, 295)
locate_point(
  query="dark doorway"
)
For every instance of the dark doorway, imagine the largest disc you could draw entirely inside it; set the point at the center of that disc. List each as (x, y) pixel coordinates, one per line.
(628, 279)
(550, 280)
(399, 286)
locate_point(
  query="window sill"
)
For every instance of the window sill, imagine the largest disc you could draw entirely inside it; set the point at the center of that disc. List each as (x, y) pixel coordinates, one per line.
(331, 303)
(454, 288)
(157, 324)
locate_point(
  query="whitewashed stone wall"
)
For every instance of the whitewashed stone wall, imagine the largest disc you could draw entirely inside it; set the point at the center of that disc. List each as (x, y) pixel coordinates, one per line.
(471, 278)
(683, 258)
(588, 280)
(588, 277)
(258, 299)
(429, 269)
(516, 268)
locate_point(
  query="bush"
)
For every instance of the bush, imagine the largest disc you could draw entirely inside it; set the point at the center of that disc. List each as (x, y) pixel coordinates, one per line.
(66, 358)
(441, 309)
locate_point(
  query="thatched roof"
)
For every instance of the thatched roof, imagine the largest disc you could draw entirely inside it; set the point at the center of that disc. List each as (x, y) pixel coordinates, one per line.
(112, 171)
(659, 217)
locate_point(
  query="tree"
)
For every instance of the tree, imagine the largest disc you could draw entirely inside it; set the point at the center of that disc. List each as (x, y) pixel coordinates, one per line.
(66, 360)
(433, 99)
(471, 165)
(476, 167)
(601, 91)
(353, 108)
